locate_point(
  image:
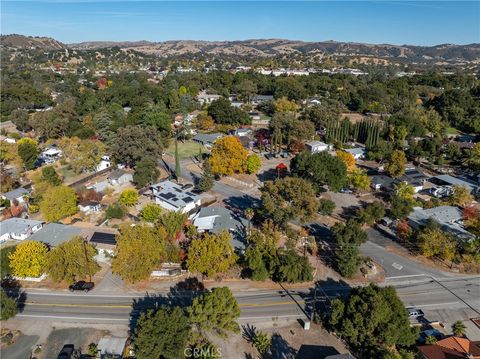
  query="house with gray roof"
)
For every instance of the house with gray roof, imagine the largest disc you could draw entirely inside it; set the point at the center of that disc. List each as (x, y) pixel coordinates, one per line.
(207, 139)
(119, 177)
(18, 228)
(450, 219)
(174, 197)
(447, 180)
(54, 234)
(16, 194)
(216, 219)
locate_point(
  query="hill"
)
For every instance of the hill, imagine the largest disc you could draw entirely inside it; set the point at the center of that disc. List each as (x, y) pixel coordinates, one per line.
(29, 42)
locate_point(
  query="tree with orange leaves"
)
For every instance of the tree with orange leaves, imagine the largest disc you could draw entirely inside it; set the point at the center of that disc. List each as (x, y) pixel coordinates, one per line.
(347, 158)
(228, 156)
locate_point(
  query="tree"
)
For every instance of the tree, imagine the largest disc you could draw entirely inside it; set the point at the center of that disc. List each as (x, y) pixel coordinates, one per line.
(222, 112)
(8, 306)
(436, 243)
(58, 202)
(29, 259)
(83, 155)
(405, 191)
(253, 163)
(292, 268)
(115, 210)
(178, 170)
(284, 105)
(217, 310)
(71, 261)
(28, 151)
(21, 119)
(400, 208)
(372, 319)
(249, 214)
(326, 207)
(151, 212)
(161, 334)
(5, 269)
(50, 176)
(146, 172)
(140, 250)
(228, 156)
(347, 158)
(288, 198)
(210, 255)
(262, 342)
(430, 339)
(128, 197)
(321, 169)
(173, 223)
(458, 328)
(347, 238)
(359, 179)
(404, 230)
(371, 213)
(206, 181)
(246, 88)
(461, 196)
(396, 164)
(134, 143)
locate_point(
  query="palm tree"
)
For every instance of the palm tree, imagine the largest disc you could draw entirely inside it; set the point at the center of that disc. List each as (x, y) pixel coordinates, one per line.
(458, 328)
(249, 213)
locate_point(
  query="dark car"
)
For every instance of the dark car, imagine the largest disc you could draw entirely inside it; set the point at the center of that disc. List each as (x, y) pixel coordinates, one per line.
(82, 285)
(66, 352)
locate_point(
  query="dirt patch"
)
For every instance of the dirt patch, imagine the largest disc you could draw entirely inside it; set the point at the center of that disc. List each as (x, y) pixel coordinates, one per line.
(79, 337)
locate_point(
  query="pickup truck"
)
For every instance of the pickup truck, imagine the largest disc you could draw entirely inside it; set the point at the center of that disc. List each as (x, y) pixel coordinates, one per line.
(81, 285)
(66, 352)
(415, 313)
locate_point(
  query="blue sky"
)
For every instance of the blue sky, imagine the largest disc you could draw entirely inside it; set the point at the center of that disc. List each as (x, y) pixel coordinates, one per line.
(395, 22)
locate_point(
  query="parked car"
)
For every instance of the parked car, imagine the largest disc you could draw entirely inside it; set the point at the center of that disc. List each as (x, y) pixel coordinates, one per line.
(81, 285)
(429, 333)
(66, 352)
(346, 190)
(415, 313)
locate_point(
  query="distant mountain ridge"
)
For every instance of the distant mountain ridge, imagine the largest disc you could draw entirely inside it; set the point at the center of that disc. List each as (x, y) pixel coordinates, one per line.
(265, 48)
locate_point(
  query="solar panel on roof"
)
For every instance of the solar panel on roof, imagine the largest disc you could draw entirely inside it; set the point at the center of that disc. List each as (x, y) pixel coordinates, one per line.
(188, 199)
(104, 238)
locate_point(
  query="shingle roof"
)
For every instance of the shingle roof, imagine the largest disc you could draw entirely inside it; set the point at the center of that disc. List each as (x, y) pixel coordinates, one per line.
(451, 348)
(54, 234)
(17, 225)
(116, 174)
(207, 137)
(16, 193)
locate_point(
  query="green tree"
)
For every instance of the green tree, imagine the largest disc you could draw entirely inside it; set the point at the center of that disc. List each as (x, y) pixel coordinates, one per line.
(29, 259)
(430, 339)
(222, 112)
(58, 202)
(5, 269)
(146, 172)
(288, 198)
(217, 310)
(115, 211)
(321, 169)
(8, 306)
(49, 175)
(211, 254)
(326, 206)
(347, 238)
(400, 208)
(292, 268)
(459, 328)
(262, 342)
(178, 170)
(28, 152)
(372, 319)
(371, 213)
(359, 179)
(161, 334)
(206, 181)
(396, 164)
(140, 250)
(71, 261)
(151, 212)
(253, 163)
(173, 223)
(128, 197)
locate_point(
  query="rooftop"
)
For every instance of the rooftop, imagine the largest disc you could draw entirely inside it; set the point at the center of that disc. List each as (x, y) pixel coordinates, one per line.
(456, 181)
(15, 193)
(54, 234)
(17, 225)
(207, 137)
(116, 174)
(451, 348)
(173, 194)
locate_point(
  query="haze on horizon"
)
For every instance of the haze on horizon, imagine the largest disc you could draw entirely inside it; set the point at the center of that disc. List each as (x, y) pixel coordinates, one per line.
(391, 22)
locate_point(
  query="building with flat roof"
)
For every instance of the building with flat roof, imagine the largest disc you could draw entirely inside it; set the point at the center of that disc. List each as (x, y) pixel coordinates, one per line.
(18, 228)
(54, 234)
(317, 146)
(207, 139)
(173, 197)
(448, 180)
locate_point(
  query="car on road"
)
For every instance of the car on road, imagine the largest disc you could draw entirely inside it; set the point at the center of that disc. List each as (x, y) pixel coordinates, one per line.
(66, 352)
(81, 285)
(415, 313)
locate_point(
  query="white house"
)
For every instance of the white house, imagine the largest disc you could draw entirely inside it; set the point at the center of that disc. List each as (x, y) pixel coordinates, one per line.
(119, 177)
(18, 228)
(317, 146)
(51, 154)
(173, 197)
(357, 152)
(88, 207)
(104, 164)
(16, 194)
(206, 99)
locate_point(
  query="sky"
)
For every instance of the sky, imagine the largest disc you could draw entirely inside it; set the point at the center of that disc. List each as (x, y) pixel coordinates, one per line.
(393, 22)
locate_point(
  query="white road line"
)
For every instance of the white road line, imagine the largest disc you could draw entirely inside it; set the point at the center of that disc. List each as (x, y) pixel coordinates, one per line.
(406, 276)
(69, 318)
(397, 266)
(80, 295)
(434, 304)
(274, 317)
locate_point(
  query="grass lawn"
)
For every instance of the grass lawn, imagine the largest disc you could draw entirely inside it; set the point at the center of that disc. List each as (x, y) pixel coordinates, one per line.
(185, 150)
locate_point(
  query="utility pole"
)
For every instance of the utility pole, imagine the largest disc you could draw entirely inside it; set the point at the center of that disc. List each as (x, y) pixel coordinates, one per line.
(86, 256)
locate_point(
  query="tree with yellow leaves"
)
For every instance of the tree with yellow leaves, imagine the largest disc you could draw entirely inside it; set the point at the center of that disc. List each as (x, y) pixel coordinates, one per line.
(346, 158)
(228, 156)
(58, 202)
(83, 155)
(461, 196)
(29, 259)
(359, 179)
(285, 105)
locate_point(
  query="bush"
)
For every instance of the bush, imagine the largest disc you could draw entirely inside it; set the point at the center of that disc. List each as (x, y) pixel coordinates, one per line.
(115, 211)
(326, 207)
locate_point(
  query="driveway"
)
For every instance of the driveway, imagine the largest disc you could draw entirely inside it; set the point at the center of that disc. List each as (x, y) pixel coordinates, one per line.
(21, 349)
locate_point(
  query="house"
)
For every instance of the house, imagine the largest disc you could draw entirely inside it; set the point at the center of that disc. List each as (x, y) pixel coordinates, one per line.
(54, 234)
(88, 207)
(113, 348)
(16, 194)
(412, 177)
(104, 241)
(207, 139)
(173, 197)
(104, 164)
(206, 99)
(317, 146)
(216, 219)
(242, 132)
(51, 154)
(258, 99)
(451, 348)
(447, 180)
(18, 228)
(449, 218)
(119, 177)
(382, 182)
(357, 152)
(254, 116)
